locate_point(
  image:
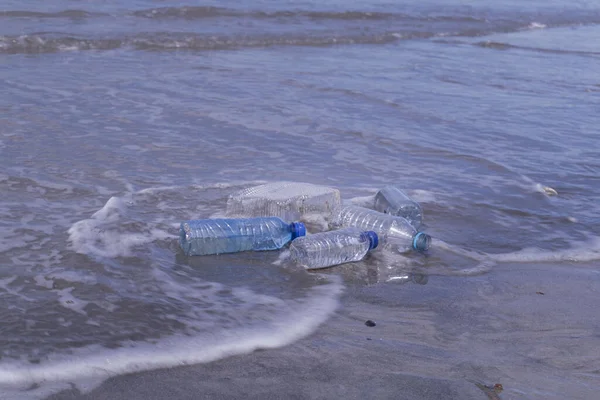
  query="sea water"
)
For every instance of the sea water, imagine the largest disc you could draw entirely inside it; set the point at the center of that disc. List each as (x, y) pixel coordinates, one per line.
(120, 119)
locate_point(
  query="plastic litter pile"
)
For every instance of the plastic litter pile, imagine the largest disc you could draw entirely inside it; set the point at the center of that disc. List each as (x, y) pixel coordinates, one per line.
(275, 215)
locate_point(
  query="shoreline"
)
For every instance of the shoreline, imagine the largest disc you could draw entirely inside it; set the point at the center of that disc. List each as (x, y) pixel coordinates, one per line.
(528, 327)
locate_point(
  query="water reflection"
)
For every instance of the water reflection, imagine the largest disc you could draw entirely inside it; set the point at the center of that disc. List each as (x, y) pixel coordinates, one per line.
(264, 269)
(420, 279)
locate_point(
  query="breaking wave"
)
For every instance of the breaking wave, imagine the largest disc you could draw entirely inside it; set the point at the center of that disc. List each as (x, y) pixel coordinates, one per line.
(45, 43)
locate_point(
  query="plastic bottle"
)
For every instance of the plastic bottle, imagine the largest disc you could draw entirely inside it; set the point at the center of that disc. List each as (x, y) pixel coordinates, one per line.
(325, 249)
(392, 200)
(215, 236)
(392, 230)
(287, 200)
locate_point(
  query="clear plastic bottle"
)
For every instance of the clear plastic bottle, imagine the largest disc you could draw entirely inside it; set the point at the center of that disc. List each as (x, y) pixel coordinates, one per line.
(216, 236)
(392, 200)
(392, 230)
(287, 200)
(326, 249)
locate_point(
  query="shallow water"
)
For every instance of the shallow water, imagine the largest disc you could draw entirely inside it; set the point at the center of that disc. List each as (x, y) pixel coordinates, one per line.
(120, 119)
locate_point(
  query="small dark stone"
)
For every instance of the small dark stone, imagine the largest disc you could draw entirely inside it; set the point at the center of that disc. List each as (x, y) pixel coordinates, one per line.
(368, 338)
(370, 323)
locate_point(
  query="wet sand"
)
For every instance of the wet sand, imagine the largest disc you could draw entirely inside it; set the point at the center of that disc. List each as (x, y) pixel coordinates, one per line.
(532, 328)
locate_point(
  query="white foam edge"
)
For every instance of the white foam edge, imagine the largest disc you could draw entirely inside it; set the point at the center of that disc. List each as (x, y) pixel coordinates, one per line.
(159, 189)
(88, 367)
(581, 252)
(86, 238)
(83, 240)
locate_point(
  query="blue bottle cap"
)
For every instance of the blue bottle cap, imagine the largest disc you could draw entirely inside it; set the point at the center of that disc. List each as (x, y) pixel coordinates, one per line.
(421, 241)
(373, 239)
(298, 229)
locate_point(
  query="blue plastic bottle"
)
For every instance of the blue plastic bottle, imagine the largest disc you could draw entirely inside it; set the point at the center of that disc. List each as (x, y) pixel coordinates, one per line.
(216, 236)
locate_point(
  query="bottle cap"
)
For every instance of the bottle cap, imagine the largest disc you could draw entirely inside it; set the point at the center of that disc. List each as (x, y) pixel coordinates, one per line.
(373, 239)
(298, 229)
(421, 241)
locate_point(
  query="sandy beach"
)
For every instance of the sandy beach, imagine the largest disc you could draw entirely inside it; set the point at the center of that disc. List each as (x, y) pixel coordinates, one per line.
(530, 328)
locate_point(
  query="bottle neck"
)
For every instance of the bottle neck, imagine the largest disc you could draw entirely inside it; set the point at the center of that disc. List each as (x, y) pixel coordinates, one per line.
(298, 229)
(373, 239)
(421, 241)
